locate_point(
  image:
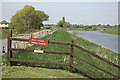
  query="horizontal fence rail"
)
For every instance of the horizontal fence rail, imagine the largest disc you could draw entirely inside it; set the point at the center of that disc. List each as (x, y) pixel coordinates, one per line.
(96, 56)
(18, 39)
(43, 62)
(75, 66)
(62, 43)
(95, 65)
(50, 52)
(77, 46)
(52, 42)
(71, 53)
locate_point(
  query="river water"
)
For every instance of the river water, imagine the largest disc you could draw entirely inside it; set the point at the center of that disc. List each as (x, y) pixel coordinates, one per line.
(108, 41)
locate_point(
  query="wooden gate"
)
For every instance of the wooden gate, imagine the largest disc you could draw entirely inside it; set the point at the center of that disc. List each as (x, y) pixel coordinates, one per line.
(72, 44)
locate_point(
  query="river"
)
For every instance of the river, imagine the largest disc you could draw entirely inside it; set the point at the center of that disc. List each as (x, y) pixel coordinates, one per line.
(108, 41)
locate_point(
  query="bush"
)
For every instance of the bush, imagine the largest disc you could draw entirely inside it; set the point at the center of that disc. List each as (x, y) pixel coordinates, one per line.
(94, 28)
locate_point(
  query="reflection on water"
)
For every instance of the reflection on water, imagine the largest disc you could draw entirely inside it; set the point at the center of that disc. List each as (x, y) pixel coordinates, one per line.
(108, 41)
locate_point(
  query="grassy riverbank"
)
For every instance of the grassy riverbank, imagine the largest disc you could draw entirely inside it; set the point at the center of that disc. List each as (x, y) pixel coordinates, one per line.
(63, 36)
(112, 31)
(83, 29)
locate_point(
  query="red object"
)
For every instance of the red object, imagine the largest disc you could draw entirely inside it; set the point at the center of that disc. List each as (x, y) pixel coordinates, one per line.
(38, 41)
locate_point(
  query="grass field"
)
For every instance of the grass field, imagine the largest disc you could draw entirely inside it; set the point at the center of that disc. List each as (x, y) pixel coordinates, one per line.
(112, 31)
(35, 72)
(63, 36)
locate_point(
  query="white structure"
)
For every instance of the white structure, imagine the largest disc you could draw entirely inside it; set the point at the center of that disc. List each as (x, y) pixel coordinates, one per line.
(4, 24)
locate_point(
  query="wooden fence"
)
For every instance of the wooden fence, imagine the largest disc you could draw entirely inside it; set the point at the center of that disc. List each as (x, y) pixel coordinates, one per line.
(22, 44)
(72, 44)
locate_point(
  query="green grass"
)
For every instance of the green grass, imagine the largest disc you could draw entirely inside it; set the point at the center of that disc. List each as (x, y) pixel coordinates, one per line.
(50, 27)
(111, 31)
(4, 34)
(53, 28)
(63, 36)
(35, 72)
(80, 29)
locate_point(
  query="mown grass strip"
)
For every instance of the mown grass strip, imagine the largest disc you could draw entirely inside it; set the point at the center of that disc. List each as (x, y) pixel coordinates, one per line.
(23, 72)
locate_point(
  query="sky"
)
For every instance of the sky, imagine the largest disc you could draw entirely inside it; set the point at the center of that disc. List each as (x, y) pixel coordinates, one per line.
(119, 13)
(60, 0)
(85, 13)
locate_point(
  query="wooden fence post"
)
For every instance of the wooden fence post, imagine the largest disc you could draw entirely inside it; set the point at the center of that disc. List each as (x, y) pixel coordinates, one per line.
(31, 35)
(71, 57)
(39, 33)
(9, 53)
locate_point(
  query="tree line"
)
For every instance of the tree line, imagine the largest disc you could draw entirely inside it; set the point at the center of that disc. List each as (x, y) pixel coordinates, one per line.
(64, 24)
(98, 25)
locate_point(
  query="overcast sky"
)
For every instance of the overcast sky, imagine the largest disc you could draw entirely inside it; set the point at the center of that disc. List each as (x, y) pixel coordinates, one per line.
(60, 0)
(74, 12)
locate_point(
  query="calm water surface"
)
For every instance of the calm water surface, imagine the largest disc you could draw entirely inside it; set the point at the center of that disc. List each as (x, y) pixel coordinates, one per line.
(108, 41)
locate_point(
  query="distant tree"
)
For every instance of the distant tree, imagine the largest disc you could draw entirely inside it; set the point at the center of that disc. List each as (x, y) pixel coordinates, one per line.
(77, 26)
(99, 25)
(119, 26)
(108, 25)
(27, 18)
(87, 26)
(63, 23)
(115, 26)
(60, 24)
(63, 19)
